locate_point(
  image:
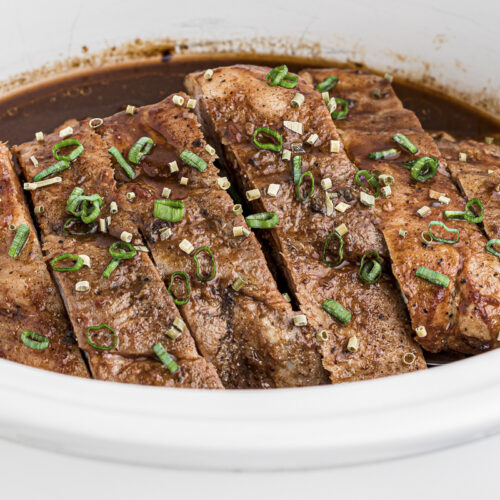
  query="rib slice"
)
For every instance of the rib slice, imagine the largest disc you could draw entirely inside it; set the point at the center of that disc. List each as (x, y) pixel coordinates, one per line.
(232, 105)
(133, 300)
(248, 334)
(465, 316)
(478, 176)
(30, 301)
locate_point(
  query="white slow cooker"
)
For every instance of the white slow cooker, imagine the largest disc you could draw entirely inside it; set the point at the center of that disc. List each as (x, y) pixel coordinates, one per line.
(450, 44)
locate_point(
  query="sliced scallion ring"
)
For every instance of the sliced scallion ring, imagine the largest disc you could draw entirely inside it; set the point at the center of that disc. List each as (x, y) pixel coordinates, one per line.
(470, 215)
(296, 168)
(140, 149)
(277, 74)
(102, 326)
(169, 210)
(342, 109)
(182, 274)
(327, 84)
(299, 186)
(56, 168)
(454, 214)
(165, 357)
(371, 179)
(433, 277)
(382, 155)
(122, 250)
(75, 267)
(262, 220)
(340, 253)
(35, 340)
(268, 145)
(405, 143)
(289, 81)
(20, 239)
(423, 168)
(73, 155)
(336, 310)
(490, 247)
(122, 162)
(75, 220)
(193, 160)
(111, 267)
(448, 229)
(370, 271)
(71, 204)
(214, 265)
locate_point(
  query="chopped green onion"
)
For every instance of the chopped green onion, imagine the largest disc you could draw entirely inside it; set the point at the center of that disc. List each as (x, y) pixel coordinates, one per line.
(425, 237)
(470, 216)
(35, 340)
(342, 109)
(73, 220)
(71, 205)
(180, 302)
(327, 84)
(381, 155)
(371, 179)
(60, 166)
(122, 250)
(405, 143)
(454, 214)
(433, 277)
(489, 247)
(169, 210)
(268, 145)
(20, 239)
(296, 168)
(371, 271)
(339, 251)
(299, 186)
(110, 268)
(140, 149)
(75, 267)
(98, 346)
(64, 144)
(122, 162)
(337, 311)
(193, 160)
(289, 81)
(422, 168)
(280, 76)
(377, 93)
(449, 230)
(214, 266)
(165, 357)
(262, 220)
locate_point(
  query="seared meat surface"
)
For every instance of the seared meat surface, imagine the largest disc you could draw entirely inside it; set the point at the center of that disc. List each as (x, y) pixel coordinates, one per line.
(464, 316)
(133, 301)
(30, 300)
(232, 104)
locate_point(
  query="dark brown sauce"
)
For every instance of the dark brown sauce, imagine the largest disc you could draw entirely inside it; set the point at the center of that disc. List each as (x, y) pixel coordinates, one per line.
(104, 91)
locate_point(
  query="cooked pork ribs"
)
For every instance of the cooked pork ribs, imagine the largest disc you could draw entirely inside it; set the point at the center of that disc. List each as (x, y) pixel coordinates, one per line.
(34, 329)
(464, 315)
(120, 318)
(373, 338)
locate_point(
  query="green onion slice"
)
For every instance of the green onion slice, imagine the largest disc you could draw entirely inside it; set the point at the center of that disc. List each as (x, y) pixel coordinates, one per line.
(111, 267)
(165, 357)
(271, 146)
(469, 215)
(35, 340)
(58, 167)
(338, 311)
(448, 229)
(342, 109)
(371, 179)
(71, 204)
(182, 274)
(327, 84)
(122, 250)
(289, 81)
(75, 220)
(490, 247)
(296, 168)
(370, 271)
(405, 143)
(454, 214)
(433, 276)
(193, 160)
(140, 149)
(277, 74)
(214, 265)
(299, 186)
(75, 267)
(262, 220)
(422, 168)
(75, 153)
(102, 326)
(20, 239)
(122, 162)
(169, 210)
(381, 155)
(340, 253)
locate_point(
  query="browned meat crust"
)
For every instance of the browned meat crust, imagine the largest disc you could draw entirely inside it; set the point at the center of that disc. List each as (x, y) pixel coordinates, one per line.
(248, 334)
(465, 316)
(478, 176)
(30, 300)
(134, 300)
(232, 104)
